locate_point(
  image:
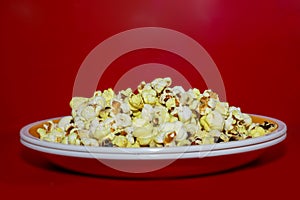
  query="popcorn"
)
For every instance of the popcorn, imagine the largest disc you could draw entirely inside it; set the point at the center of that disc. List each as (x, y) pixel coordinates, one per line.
(149, 96)
(76, 102)
(147, 112)
(116, 106)
(100, 130)
(73, 137)
(257, 131)
(184, 113)
(181, 133)
(215, 120)
(88, 113)
(222, 107)
(178, 91)
(122, 120)
(124, 94)
(161, 115)
(136, 102)
(160, 83)
(120, 141)
(108, 95)
(64, 122)
(143, 134)
(247, 120)
(157, 115)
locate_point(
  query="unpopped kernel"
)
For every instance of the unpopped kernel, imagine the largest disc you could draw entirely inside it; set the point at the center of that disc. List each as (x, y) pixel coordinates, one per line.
(157, 115)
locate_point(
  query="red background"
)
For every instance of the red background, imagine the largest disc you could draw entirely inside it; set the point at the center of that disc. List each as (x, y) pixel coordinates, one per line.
(255, 45)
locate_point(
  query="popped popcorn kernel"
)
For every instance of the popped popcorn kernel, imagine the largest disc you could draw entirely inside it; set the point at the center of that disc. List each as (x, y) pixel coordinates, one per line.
(136, 102)
(215, 120)
(257, 131)
(149, 96)
(120, 141)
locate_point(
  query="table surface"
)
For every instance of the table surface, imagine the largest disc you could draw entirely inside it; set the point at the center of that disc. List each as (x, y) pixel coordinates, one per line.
(256, 49)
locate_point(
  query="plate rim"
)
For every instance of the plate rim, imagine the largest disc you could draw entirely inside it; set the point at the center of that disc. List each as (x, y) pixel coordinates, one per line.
(26, 136)
(158, 156)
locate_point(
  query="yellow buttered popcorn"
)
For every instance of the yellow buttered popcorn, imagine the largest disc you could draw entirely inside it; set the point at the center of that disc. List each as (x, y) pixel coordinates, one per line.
(156, 115)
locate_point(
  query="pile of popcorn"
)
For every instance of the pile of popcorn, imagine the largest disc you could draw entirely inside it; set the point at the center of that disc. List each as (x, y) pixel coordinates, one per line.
(156, 115)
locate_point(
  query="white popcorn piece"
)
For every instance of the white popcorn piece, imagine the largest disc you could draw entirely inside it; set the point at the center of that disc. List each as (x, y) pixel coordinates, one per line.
(108, 95)
(178, 91)
(149, 96)
(120, 141)
(147, 112)
(192, 129)
(94, 124)
(64, 122)
(215, 120)
(208, 140)
(171, 103)
(212, 103)
(136, 102)
(237, 114)
(102, 130)
(73, 137)
(88, 113)
(49, 126)
(122, 120)
(130, 139)
(42, 133)
(184, 114)
(228, 123)
(247, 119)
(224, 137)
(79, 122)
(206, 93)
(49, 138)
(164, 98)
(143, 134)
(125, 108)
(166, 127)
(143, 85)
(139, 122)
(222, 107)
(161, 115)
(159, 137)
(257, 131)
(76, 102)
(83, 134)
(160, 83)
(115, 106)
(97, 100)
(124, 94)
(181, 133)
(107, 140)
(197, 93)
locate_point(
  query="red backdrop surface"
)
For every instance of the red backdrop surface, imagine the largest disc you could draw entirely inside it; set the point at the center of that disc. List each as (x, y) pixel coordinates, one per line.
(255, 45)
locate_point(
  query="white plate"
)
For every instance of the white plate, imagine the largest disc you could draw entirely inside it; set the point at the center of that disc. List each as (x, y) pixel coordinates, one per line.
(153, 165)
(30, 139)
(154, 156)
(153, 162)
